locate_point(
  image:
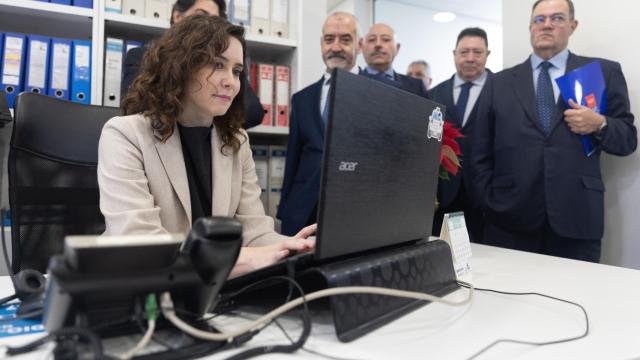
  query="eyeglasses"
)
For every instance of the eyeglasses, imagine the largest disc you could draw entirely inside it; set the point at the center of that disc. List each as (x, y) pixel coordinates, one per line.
(556, 19)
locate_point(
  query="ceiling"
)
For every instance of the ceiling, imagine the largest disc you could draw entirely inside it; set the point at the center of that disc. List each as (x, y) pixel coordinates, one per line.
(490, 10)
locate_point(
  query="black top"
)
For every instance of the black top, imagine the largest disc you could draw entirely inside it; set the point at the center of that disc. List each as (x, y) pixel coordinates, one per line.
(196, 147)
(253, 109)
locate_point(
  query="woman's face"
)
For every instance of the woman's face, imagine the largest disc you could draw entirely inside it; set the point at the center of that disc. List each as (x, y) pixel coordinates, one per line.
(207, 7)
(212, 89)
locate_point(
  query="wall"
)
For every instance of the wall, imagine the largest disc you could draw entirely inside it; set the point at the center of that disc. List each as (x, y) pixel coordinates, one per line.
(603, 31)
(422, 38)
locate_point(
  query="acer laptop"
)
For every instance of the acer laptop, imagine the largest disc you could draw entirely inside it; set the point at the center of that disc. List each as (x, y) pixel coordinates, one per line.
(380, 167)
(380, 171)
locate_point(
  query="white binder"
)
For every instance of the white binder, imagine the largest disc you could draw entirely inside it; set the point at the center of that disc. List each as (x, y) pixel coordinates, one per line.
(157, 9)
(113, 72)
(280, 18)
(260, 17)
(133, 7)
(114, 6)
(241, 12)
(261, 159)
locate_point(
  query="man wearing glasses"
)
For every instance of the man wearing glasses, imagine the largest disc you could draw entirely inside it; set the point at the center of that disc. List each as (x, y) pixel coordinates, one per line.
(537, 188)
(460, 94)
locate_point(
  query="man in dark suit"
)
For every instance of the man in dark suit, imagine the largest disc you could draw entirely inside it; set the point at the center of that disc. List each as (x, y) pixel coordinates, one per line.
(301, 185)
(539, 190)
(379, 48)
(460, 94)
(181, 9)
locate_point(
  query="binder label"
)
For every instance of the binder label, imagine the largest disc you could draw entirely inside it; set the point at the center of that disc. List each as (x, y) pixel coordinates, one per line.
(37, 63)
(82, 63)
(279, 13)
(60, 66)
(12, 60)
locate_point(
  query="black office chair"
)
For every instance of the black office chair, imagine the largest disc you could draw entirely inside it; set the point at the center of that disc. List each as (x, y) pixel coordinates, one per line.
(53, 186)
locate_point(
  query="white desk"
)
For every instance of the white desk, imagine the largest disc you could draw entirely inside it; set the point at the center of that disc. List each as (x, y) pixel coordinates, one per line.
(611, 296)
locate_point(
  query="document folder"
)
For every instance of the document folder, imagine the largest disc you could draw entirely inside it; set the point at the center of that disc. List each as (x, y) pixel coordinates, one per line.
(13, 54)
(61, 2)
(241, 12)
(114, 6)
(83, 3)
(280, 18)
(585, 86)
(133, 7)
(37, 66)
(113, 72)
(260, 18)
(60, 69)
(282, 96)
(81, 72)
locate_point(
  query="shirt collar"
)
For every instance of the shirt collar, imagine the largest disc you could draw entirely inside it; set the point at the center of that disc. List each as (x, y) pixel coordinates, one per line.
(559, 61)
(390, 73)
(479, 81)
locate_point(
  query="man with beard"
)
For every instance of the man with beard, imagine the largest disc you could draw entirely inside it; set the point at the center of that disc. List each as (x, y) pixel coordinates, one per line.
(379, 48)
(298, 204)
(460, 94)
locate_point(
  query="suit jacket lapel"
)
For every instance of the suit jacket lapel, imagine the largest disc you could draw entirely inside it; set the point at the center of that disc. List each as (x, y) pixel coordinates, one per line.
(523, 84)
(221, 167)
(172, 158)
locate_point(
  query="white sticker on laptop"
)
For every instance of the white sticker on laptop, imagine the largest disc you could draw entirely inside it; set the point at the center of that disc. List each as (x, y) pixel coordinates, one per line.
(436, 124)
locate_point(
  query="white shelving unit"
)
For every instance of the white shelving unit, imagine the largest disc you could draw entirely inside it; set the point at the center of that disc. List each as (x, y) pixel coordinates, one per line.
(54, 20)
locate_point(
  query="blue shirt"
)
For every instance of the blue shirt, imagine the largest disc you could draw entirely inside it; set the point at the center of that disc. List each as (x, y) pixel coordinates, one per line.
(390, 74)
(558, 68)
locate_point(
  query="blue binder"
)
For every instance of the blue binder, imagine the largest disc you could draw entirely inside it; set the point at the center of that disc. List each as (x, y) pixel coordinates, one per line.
(81, 72)
(37, 66)
(60, 69)
(585, 86)
(13, 53)
(83, 3)
(1, 52)
(63, 2)
(130, 44)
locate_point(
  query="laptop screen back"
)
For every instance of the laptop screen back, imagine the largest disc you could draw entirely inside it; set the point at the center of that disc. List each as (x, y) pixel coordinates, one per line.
(380, 167)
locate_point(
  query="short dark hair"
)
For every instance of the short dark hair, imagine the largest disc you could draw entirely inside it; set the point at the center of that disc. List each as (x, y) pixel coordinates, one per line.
(184, 5)
(572, 9)
(473, 31)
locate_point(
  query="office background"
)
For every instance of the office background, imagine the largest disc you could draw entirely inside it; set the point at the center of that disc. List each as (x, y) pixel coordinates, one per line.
(605, 30)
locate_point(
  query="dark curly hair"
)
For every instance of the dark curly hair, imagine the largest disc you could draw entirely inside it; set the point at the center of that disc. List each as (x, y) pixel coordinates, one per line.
(169, 64)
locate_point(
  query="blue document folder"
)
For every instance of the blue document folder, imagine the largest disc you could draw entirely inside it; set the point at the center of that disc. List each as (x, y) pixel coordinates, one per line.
(37, 66)
(13, 59)
(585, 86)
(83, 3)
(81, 72)
(60, 69)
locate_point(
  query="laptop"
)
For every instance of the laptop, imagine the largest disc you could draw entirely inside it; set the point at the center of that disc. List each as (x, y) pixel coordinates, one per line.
(379, 174)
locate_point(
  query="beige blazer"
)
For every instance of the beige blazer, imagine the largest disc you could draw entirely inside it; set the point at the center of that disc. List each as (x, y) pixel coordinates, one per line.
(144, 188)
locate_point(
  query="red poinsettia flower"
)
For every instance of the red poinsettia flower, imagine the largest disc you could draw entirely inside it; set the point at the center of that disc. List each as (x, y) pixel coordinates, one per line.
(450, 151)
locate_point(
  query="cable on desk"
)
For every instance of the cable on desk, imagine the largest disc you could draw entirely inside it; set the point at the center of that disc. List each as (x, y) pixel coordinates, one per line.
(534, 343)
(70, 333)
(250, 329)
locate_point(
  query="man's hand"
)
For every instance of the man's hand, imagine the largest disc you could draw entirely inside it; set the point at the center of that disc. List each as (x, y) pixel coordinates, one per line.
(582, 120)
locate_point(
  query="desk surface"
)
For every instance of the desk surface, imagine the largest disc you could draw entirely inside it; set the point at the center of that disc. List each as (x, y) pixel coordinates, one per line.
(610, 295)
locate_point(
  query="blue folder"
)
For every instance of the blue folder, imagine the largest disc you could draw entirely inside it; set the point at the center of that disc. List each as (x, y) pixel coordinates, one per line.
(36, 72)
(60, 69)
(585, 86)
(81, 72)
(13, 59)
(83, 3)
(63, 2)
(1, 52)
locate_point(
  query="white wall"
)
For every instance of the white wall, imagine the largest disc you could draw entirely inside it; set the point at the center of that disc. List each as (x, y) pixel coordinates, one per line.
(604, 30)
(422, 38)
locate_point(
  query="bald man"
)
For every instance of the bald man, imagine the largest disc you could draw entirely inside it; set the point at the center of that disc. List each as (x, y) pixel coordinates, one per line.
(380, 48)
(340, 47)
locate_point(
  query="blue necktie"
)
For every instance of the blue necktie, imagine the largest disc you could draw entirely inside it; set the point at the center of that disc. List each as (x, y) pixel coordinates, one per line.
(463, 99)
(544, 97)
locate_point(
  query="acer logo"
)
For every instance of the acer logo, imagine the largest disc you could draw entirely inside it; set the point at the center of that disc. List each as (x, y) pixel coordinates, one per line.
(347, 166)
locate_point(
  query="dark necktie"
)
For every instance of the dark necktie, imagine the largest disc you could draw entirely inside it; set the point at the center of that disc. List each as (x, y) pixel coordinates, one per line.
(544, 97)
(463, 99)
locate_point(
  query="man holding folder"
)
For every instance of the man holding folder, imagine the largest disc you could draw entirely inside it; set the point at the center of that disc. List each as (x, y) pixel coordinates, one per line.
(539, 190)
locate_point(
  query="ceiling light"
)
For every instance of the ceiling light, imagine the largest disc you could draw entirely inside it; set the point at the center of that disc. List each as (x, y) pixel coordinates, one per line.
(444, 17)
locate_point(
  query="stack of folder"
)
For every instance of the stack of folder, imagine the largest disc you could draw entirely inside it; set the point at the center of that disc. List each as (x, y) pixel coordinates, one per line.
(152, 9)
(80, 3)
(60, 68)
(272, 84)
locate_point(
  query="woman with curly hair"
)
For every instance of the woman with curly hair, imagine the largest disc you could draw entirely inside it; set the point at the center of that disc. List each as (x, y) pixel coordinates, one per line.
(180, 152)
